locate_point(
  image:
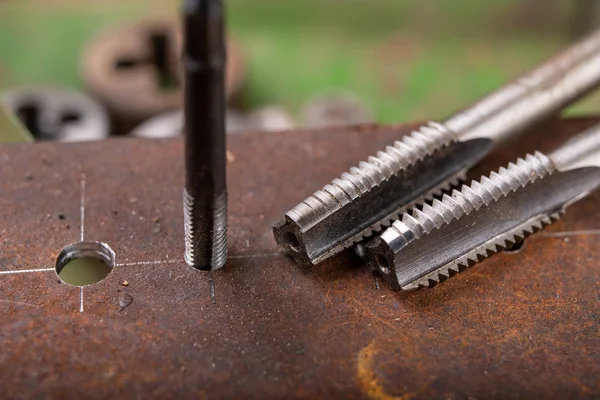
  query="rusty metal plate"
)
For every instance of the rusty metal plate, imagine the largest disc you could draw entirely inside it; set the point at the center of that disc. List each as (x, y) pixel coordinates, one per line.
(522, 325)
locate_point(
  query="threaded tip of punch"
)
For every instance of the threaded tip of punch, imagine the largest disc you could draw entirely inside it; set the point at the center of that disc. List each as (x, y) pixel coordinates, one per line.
(205, 235)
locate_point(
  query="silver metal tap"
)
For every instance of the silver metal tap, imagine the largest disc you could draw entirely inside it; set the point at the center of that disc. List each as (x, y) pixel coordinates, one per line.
(437, 241)
(431, 159)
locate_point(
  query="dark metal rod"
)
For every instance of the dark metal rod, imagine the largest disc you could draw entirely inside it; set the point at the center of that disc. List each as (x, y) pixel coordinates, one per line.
(205, 193)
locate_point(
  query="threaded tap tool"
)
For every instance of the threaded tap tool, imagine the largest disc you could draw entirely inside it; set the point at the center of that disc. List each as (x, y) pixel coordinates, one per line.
(433, 158)
(205, 192)
(440, 240)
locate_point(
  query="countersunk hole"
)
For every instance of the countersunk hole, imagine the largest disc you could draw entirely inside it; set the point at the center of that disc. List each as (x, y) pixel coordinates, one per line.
(85, 263)
(383, 264)
(292, 241)
(515, 248)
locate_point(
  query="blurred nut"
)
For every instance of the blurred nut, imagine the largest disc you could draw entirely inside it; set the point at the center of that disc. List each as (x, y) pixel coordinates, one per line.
(170, 124)
(336, 109)
(165, 125)
(271, 118)
(61, 115)
(135, 69)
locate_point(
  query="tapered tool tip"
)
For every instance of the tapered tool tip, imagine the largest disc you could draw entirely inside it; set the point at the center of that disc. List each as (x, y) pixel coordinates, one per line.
(381, 258)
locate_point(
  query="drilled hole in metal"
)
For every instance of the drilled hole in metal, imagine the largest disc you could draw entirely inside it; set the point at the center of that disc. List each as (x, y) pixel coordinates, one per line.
(515, 248)
(292, 241)
(85, 263)
(383, 264)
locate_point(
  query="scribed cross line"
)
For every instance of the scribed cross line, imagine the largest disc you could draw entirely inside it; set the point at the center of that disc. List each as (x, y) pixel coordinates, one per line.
(25, 271)
(82, 228)
(82, 187)
(142, 263)
(82, 207)
(212, 287)
(81, 299)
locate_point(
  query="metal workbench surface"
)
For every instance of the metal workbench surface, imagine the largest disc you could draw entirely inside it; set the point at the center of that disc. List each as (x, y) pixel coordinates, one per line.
(520, 325)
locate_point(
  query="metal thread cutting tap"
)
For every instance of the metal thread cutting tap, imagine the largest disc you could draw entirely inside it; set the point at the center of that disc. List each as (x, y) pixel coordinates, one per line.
(443, 238)
(205, 192)
(434, 157)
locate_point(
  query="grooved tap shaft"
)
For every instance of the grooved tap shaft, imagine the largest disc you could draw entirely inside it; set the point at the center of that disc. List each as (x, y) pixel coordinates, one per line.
(205, 192)
(419, 166)
(443, 238)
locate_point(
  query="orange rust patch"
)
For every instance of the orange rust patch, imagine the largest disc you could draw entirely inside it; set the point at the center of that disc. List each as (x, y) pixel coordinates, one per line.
(368, 379)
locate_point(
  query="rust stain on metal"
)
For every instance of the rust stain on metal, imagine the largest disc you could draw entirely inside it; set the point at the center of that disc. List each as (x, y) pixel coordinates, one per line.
(518, 325)
(368, 379)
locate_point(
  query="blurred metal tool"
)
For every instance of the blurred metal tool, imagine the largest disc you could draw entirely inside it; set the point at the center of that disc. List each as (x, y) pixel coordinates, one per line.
(170, 124)
(492, 214)
(585, 18)
(135, 69)
(205, 193)
(269, 119)
(60, 115)
(370, 196)
(336, 109)
(165, 125)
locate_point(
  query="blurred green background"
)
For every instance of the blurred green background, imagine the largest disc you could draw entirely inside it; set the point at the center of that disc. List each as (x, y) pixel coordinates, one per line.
(409, 60)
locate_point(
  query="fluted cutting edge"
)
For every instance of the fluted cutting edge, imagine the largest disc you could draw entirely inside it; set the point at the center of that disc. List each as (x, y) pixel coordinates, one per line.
(387, 221)
(487, 249)
(473, 197)
(479, 193)
(197, 252)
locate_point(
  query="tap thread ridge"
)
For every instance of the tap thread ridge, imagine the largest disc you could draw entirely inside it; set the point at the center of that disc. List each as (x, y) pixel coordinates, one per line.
(205, 240)
(472, 197)
(368, 174)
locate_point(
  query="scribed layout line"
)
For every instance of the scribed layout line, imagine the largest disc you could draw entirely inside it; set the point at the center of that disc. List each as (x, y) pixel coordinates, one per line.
(212, 287)
(254, 256)
(82, 206)
(20, 303)
(172, 261)
(133, 264)
(81, 299)
(25, 271)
